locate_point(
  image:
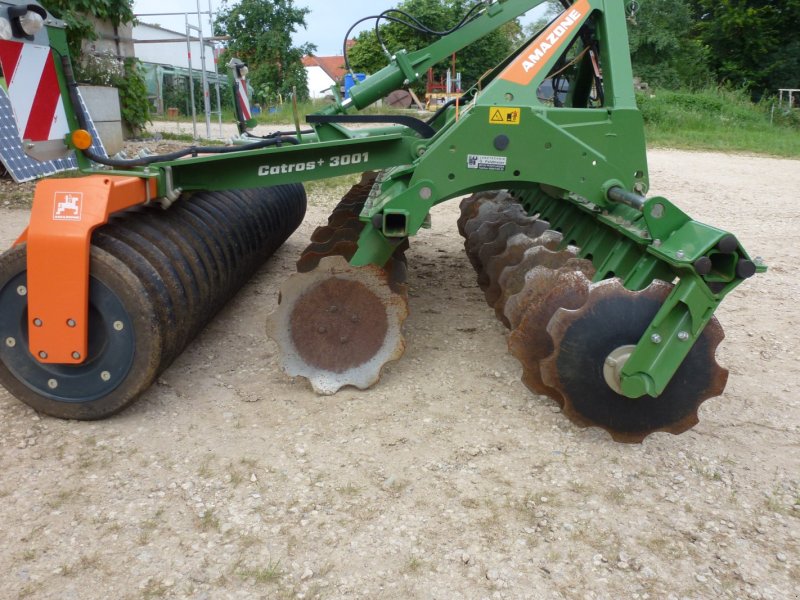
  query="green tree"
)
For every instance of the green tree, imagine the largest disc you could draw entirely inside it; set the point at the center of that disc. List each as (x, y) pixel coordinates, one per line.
(261, 35)
(664, 52)
(438, 15)
(753, 43)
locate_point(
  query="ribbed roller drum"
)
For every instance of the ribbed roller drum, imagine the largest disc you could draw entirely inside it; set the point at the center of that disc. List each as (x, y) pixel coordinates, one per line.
(156, 278)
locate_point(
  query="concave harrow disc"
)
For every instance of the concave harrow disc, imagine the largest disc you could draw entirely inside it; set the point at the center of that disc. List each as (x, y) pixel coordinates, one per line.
(339, 325)
(612, 318)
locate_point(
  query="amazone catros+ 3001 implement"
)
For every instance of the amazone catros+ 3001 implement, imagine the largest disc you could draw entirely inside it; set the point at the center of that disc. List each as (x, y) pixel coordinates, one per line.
(609, 295)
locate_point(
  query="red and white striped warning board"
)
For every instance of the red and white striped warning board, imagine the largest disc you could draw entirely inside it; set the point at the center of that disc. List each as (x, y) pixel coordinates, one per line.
(243, 100)
(32, 83)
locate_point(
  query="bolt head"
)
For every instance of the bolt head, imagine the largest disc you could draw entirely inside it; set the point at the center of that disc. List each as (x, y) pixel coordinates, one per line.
(105, 376)
(37, 322)
(680, 254)
(11, 342)
(52, 384)
(71, 323)
(655, 338)
(683, 336)
(22, 290)
(425, 193)
(42, 354)
(119, 325)
(76, 355)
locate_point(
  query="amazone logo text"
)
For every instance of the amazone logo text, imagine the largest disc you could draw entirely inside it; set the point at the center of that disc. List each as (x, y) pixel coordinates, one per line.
(551, 40)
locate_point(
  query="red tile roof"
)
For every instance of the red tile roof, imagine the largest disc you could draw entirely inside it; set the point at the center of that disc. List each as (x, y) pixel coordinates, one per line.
(332, 65)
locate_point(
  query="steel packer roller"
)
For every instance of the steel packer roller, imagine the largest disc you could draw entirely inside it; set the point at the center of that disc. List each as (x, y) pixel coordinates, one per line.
(609, 295)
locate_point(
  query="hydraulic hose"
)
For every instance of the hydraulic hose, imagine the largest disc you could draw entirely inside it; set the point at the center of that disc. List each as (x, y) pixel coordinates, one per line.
(72, 86)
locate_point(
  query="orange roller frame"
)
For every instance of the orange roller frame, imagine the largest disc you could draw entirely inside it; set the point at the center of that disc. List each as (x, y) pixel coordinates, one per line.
(65, 212)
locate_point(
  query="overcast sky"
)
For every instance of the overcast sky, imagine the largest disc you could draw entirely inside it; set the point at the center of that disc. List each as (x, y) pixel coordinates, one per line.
(327, 22)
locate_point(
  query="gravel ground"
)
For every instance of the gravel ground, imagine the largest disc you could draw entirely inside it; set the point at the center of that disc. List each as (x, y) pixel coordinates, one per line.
(446, 480)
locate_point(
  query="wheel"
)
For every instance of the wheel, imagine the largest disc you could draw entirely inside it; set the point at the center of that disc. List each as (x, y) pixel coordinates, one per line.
(125, 343)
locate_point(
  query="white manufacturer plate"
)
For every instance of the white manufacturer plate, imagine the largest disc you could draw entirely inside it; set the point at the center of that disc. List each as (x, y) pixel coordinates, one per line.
(486, 163)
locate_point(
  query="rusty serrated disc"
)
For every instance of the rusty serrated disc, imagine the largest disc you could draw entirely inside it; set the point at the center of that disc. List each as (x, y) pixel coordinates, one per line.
(538, 283)
(309, 260)
(512, 279)
(532, 227)
(470, 206)
(515, 249)
(338, 325)
(529, 342)
(612, 318)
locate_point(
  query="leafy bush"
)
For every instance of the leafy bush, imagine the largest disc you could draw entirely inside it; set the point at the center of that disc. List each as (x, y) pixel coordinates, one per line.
(133, 99)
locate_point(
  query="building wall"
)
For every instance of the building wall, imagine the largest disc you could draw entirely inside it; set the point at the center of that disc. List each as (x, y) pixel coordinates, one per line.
(169, 53)
(319, 83)
(110, 40)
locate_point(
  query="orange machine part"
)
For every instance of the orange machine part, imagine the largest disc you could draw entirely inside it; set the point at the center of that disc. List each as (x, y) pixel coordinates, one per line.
(65, 212)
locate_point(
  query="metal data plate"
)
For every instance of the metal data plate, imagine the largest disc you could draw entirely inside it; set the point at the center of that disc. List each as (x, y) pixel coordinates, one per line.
(21, 166)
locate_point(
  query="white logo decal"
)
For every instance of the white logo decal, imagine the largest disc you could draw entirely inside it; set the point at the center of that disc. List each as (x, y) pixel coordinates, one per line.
(67, 206)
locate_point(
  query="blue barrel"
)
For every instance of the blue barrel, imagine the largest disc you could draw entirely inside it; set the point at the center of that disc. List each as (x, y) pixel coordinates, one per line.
(350, 82)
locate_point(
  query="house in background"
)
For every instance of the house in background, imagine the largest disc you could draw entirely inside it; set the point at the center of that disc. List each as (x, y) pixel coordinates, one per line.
(323, 72)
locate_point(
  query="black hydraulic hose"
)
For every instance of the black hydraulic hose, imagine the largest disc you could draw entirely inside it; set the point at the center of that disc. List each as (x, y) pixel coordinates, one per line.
(149, 160)
(443, 108)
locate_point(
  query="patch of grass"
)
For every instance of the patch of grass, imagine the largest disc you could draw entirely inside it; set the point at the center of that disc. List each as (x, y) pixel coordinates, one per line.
(61, 498)
(154, 589)
(261, 575)
(719, 119)
(208, 521)
(204, 470)
(249, 462)
(350, 489)
(413, 565)
(617, 495)
(187, 137)
(28, 555)
(30, 590)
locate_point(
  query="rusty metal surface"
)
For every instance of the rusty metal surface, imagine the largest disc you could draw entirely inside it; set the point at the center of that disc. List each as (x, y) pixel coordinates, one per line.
(531, 227)
(513, 253)
(610, 318)
(512, 279)
(539, 282)
(308, 261)
(530, 342)
(338, 325)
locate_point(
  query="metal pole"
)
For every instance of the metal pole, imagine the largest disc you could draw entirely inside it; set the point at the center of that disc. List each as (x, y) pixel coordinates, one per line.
(203, 75)
(216, 70)
(191, 76)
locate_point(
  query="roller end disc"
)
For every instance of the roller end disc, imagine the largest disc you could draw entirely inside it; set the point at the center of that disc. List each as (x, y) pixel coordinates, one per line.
(611, 318)
(339, 325)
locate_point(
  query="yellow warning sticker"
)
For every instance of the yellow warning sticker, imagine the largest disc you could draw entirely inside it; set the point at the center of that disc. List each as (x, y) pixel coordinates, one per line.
(504, 115)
